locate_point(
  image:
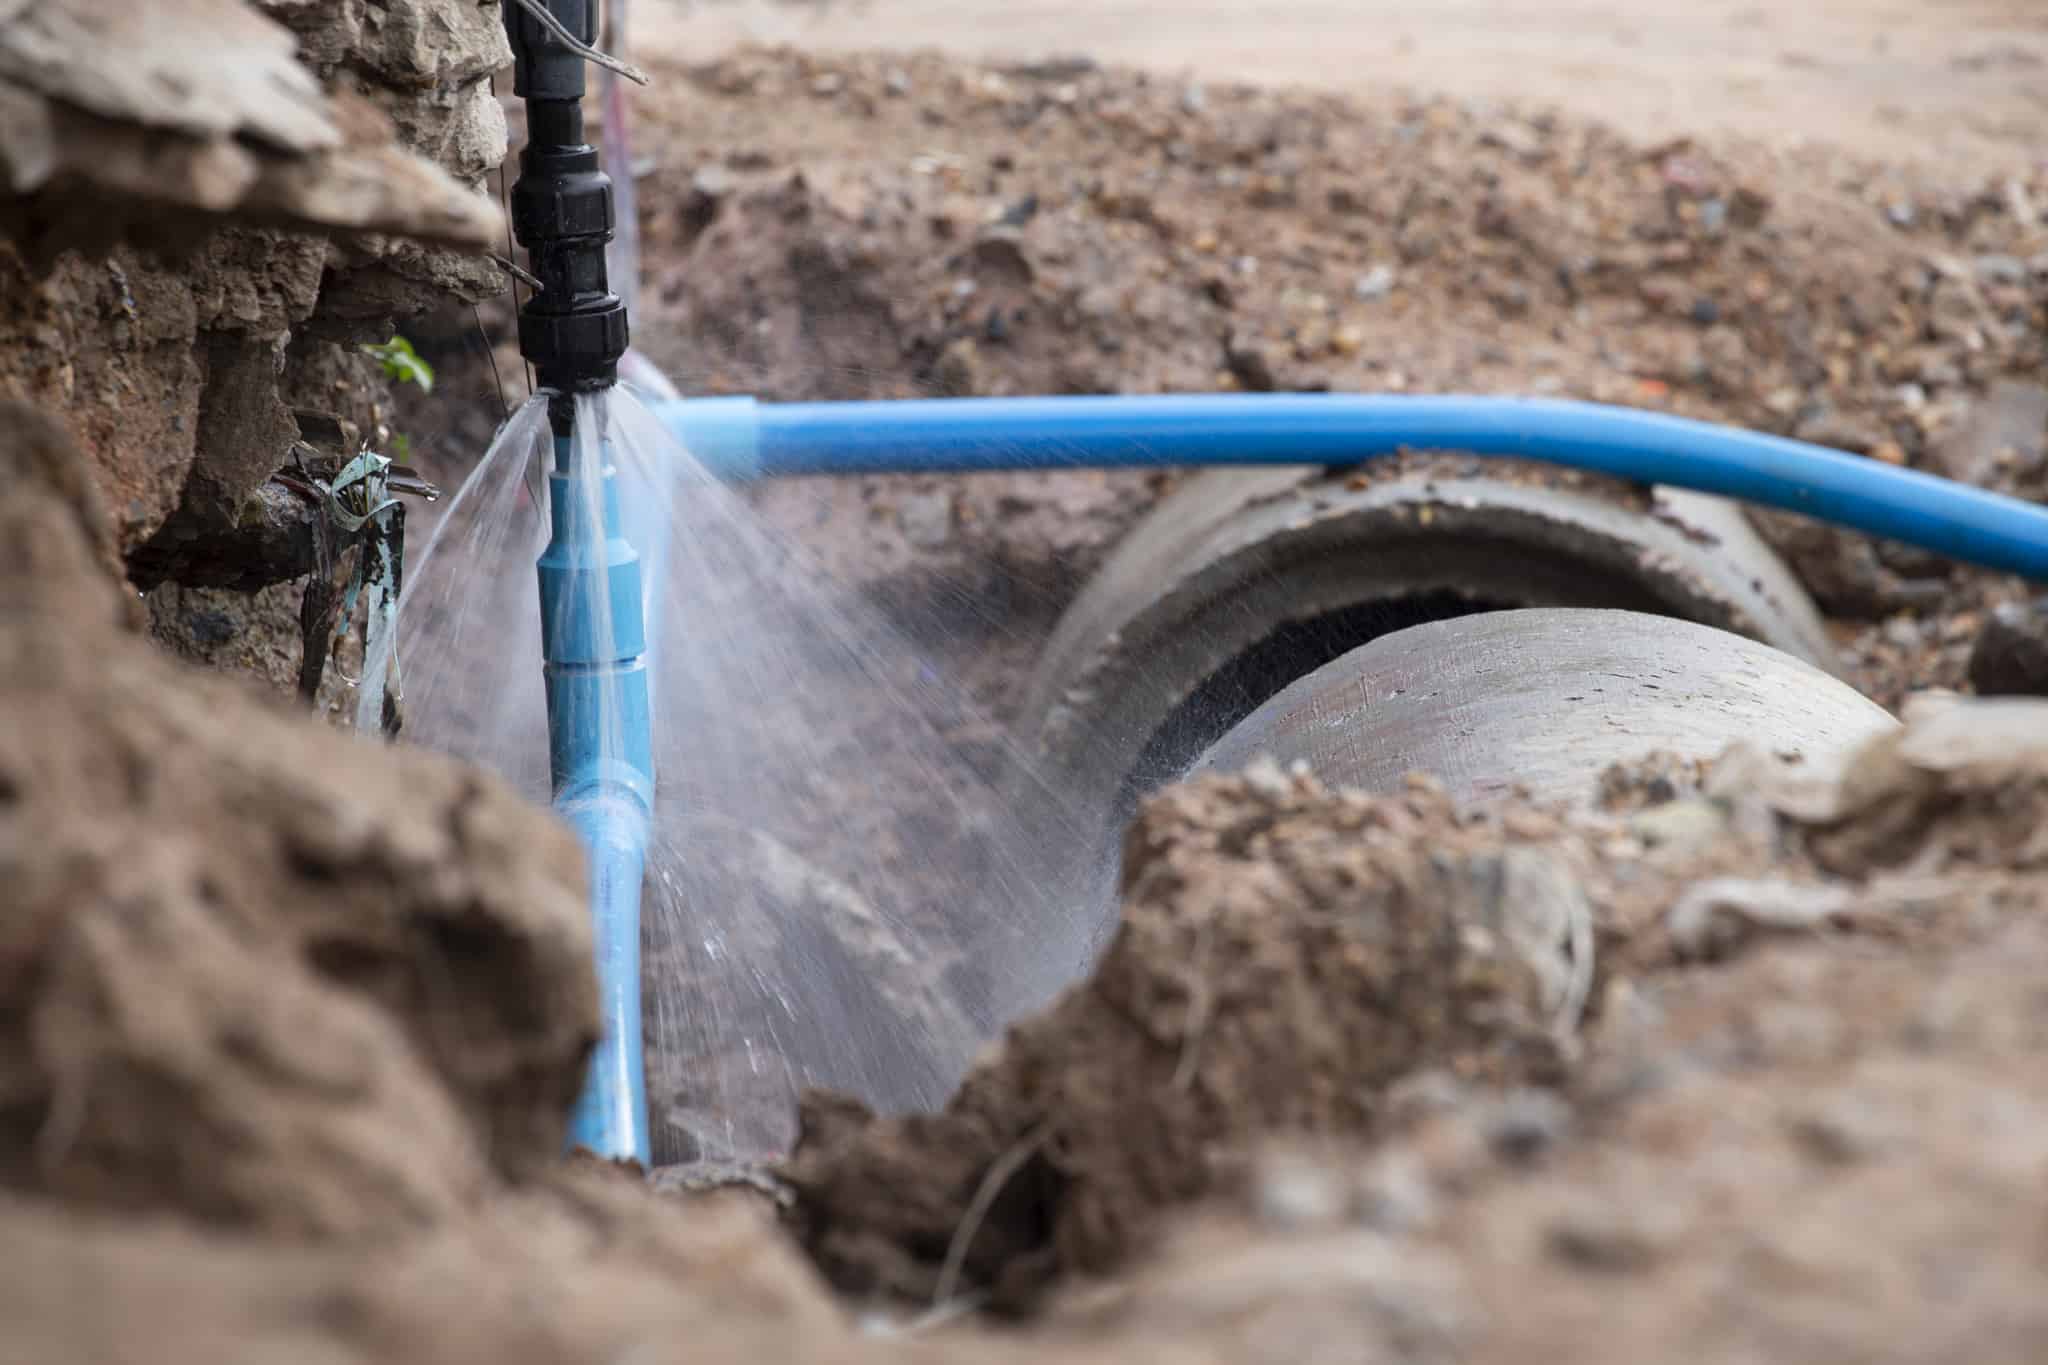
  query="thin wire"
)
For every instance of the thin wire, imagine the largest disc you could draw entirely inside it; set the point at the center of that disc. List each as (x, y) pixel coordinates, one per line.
(576, 45)
(511, 279)
(491, 354)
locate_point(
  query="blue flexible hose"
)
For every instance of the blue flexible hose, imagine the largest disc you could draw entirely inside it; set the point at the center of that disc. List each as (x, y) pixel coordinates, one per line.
(740, 439)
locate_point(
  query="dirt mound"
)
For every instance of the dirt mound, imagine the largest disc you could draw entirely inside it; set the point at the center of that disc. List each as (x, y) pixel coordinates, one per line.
(876, 226)
(588, 1267)
(1162, 236)
(1819, 1150)
(1285, 956)
(261, 975)
(1288, 954)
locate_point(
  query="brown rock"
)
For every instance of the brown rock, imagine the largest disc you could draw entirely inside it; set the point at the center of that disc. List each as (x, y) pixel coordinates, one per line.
(201, 105)
(2010, 657)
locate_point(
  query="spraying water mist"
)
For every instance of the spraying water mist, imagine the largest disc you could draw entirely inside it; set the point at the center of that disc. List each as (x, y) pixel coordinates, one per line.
(839, 893)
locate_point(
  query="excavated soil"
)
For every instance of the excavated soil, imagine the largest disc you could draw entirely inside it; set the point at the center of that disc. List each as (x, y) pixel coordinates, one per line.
(1742, 1065)
(257, 972)
(1290, 956)
(856, 226)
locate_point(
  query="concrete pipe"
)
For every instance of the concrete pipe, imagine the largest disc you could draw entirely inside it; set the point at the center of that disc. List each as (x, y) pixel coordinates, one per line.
(1544, 700)
(1242, 581)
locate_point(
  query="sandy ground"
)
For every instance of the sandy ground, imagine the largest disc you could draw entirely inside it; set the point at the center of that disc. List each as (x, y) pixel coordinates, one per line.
(1962, 83)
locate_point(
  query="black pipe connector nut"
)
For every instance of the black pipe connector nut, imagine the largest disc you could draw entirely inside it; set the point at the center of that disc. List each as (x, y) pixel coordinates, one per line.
(573, 329)
(546, 68)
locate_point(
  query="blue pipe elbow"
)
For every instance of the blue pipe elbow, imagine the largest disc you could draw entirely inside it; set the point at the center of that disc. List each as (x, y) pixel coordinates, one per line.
(738, 439)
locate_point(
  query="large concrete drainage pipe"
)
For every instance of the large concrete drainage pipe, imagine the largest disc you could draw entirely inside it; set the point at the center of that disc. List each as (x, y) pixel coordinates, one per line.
(1544, 701)
(1242, 581)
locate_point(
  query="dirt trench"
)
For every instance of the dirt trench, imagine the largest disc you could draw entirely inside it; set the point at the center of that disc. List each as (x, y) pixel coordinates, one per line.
(289, 1022)
(1356, 1073)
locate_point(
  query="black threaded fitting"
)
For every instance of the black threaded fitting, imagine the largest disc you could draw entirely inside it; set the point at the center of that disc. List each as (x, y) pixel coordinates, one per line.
(573, 329)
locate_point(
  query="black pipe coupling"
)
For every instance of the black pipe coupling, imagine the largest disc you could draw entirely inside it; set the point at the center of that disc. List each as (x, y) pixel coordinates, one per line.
(573, 328)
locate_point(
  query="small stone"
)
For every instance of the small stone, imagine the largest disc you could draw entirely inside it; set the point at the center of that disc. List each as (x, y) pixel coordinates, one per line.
(926, 519)
(1375, 283)
(1514, 137)
(2003, 437)
(2000, 269)
(1903, 632)
(1748, 208)
(709, 189)
(2010, 657)
(1831, 428)
(999, 258)
(1680, 825)
(1264, 777)
(1018, 214)
(1250, 364)
(1842, 1130)
(958, 371)
(1511, 299)
(1527, 1124)
(896, 84)
(1394, 1194)
(1294, 1190)
(1614, 1236)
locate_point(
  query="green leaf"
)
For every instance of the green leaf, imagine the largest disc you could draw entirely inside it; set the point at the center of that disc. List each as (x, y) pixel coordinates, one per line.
(402, 364)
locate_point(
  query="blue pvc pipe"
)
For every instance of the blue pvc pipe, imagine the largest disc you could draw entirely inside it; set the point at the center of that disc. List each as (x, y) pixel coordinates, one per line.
(600, 747)
(740, 439)
(610, 1117)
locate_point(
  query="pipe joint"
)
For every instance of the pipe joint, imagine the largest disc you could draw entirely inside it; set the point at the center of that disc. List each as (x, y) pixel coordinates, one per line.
(573, 328)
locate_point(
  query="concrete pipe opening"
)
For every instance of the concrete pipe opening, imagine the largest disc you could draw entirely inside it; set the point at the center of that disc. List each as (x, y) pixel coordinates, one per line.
(1242, 581)
(1545, 701)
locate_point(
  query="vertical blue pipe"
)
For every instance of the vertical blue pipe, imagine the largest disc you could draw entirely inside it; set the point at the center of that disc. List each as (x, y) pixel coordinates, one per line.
(600, 748)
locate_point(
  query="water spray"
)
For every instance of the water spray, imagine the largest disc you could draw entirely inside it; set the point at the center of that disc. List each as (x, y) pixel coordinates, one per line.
(594, 582)
(593, 630)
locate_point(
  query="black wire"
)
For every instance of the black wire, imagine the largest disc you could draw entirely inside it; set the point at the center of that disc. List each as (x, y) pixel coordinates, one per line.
(511, 254)
(491, 354)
